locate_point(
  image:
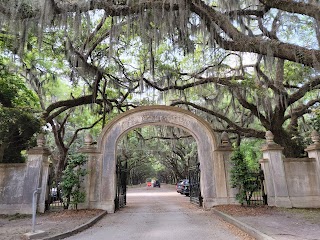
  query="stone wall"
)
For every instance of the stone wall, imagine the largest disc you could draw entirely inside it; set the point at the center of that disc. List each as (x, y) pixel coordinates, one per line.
(12, 185)
(19, 181)
(292, 182)
(303, 182)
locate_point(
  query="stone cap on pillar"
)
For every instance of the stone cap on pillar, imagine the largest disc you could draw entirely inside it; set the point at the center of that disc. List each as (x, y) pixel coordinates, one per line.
(88, 145)
(270, 144)
(315, 137)
(41, 148)
(225, 144)
(225, 141)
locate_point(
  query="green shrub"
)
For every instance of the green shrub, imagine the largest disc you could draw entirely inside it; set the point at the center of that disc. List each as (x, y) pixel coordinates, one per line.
(242, 177)
(71, 181)
(251, 150)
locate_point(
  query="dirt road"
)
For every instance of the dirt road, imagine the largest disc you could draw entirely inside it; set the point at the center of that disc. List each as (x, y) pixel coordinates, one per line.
(160, 213)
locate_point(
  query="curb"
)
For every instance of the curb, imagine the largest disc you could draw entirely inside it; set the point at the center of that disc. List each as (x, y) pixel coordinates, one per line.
(76, 230)
(244, 227)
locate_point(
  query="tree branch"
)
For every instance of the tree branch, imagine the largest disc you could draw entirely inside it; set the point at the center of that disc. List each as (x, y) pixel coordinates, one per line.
(234, 40)
(67, 104)
(302, 109)
(220, 80)
(237, 128)
(291, 6)
(307, 87)
(81, 129)
(252, 108)
(243, 43)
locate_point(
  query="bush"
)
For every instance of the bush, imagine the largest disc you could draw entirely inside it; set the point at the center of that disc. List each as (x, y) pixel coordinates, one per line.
(71, 181)
(251, 150)
(241, 177)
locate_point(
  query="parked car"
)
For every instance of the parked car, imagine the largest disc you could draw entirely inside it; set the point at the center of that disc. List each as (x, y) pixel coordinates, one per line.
(185, 189)
(156, 183)
(180, 185)
(149, 182)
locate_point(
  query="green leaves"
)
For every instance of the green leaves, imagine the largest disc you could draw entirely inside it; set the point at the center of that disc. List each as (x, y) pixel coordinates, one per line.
(17, 128)
(18, 124)
(316, 120)
(241, 176)
(72, 179)
(13, 90)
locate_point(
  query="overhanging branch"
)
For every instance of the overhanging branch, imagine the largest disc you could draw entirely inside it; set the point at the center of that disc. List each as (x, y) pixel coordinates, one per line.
(246, 131)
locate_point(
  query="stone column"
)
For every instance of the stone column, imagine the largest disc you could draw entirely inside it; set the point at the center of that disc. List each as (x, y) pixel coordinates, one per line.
(222, 166)
(37, 172)
(273, 167)
(314, 150)
(91, 180)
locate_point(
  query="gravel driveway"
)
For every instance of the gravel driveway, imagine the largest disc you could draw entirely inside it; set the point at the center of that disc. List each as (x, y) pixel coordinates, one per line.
(160, 213)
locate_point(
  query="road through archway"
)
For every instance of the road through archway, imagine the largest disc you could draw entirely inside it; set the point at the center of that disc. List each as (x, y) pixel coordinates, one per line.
(157, 214)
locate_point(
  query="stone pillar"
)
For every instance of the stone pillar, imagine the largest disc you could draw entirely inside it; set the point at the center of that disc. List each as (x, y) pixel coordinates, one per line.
(273, 167)
(222, 166)
(37, 172)
(314, 150)
(91, 181)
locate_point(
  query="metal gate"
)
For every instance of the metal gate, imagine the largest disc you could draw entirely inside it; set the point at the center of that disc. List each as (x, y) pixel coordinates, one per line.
(121, 198)
(54, 194)
(194, 182)
(256, 194)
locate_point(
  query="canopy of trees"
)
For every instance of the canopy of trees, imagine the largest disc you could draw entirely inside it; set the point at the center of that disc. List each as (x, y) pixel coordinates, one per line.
(245, 66)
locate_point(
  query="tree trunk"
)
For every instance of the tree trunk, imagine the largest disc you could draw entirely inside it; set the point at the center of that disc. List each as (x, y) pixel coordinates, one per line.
(291, 147)
(60, 165)
(2, 148)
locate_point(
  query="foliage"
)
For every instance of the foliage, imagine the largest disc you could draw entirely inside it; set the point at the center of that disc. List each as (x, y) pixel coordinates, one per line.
(316, 120)
(18, 121)
(72, 178)
(17, 128)
(251, 150)
(241, 177)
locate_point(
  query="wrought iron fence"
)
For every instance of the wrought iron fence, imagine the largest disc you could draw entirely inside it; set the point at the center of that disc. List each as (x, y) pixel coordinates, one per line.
(194, 183)
(121, 193)
(54, 197)
(55, 201)
(256, 195)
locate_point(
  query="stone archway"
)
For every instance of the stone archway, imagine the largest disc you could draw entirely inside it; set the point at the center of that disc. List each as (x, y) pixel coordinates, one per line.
(101, 181)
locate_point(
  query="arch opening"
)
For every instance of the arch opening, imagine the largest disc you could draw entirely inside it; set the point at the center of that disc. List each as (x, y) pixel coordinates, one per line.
(155, 155)
(157, 151)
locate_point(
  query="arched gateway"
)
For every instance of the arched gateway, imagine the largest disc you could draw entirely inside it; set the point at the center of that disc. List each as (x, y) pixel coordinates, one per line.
(213, 156)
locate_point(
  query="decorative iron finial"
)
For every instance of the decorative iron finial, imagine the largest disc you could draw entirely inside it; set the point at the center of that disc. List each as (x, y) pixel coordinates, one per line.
(269, 137)
(315, 137)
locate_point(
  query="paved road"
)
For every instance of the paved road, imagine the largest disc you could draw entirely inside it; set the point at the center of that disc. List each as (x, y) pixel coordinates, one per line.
(159, 213)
